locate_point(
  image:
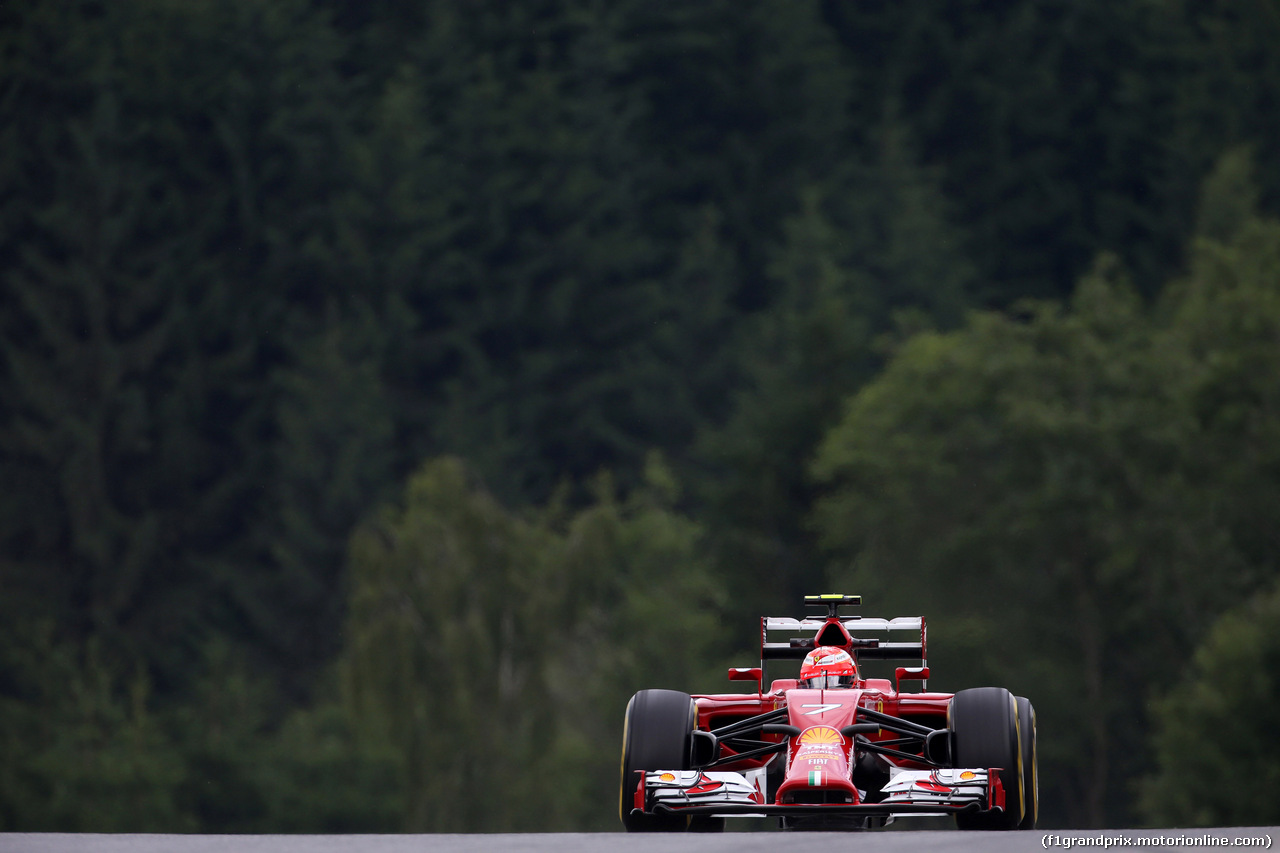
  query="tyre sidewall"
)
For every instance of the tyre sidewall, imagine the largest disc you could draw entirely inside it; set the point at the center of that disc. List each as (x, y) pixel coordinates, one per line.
(1030, 772)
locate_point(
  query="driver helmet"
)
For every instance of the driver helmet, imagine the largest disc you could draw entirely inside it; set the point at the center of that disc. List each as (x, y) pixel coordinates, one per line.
(828, 667)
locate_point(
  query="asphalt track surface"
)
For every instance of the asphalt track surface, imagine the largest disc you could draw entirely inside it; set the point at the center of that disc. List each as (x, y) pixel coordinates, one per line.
(892, 841)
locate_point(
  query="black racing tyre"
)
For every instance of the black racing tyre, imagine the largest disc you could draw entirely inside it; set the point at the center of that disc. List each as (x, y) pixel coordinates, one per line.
(984, 734)
(1030, 775)
(655, 736)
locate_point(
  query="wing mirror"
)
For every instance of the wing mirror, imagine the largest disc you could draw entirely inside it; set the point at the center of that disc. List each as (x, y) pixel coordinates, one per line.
(747, 673)
(911, 673)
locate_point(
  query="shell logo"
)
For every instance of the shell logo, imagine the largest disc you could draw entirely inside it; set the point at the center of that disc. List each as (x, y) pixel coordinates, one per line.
(968, 775)
(821, 734)
(667, 777)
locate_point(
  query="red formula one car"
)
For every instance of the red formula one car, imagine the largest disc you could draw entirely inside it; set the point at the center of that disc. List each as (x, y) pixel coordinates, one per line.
(831, 749)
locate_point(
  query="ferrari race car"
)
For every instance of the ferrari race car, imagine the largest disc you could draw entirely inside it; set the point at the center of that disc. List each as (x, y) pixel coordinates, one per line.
(831, 749)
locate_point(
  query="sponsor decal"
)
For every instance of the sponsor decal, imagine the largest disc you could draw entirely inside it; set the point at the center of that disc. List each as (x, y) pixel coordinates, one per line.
(820, 735)
(667, 777)
(827, 658)
(821, 709)
(968, 776)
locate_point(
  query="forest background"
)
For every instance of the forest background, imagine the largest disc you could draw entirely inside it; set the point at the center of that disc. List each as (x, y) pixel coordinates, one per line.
(388, 390)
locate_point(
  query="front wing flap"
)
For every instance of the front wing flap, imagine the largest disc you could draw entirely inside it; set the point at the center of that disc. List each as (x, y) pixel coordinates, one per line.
(908, 792)
(944, 787)
(678, 790)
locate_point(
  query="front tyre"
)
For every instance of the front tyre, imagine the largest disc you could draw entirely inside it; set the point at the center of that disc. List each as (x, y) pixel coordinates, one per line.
(656, 735)
(1030, 775)
(985, 734)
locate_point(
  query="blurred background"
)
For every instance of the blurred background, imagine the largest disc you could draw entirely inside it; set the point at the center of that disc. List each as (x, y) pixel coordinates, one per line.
(388, 390)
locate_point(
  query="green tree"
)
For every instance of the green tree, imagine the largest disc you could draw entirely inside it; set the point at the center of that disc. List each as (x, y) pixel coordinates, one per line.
(318, 774)
(1226, 313)
(486, 647)
(1014, 469)
(333, 458)
(96, 290)
(245, 767)
(801, 358)
(164, 201)
(877, 254)
(1214, 723)
(650, 612)
(1065, 129)
(450, 602)
(1076, 492)
(80, 747)
(571, 234)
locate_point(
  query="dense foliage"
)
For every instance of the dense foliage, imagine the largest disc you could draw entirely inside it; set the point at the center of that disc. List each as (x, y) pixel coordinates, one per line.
(380, 377)
(1214, 723)
(480, 641)
(1081, 461)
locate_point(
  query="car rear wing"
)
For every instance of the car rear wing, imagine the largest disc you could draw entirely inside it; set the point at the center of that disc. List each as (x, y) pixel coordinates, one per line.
(847, 632)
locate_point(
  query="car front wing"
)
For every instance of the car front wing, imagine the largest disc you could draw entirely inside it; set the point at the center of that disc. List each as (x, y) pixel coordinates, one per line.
(909, 792)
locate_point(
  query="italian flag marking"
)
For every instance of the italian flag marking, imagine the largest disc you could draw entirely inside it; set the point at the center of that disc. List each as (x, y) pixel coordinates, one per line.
(815, 778)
